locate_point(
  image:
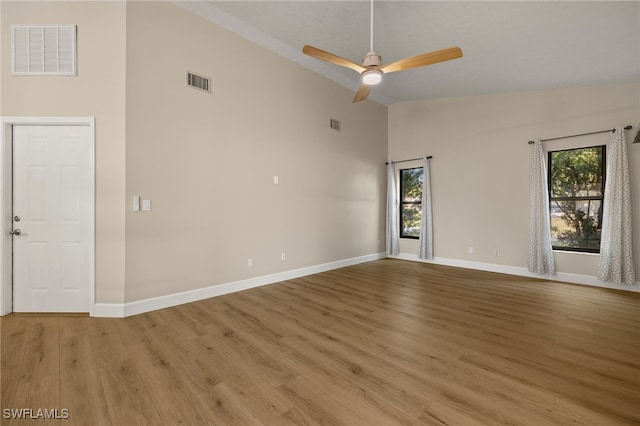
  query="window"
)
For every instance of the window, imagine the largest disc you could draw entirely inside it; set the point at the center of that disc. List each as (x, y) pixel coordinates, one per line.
(410, 202)
(576, 193)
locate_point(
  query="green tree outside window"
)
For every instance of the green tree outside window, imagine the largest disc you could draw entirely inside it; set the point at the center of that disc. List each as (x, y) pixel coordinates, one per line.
(411, 202)
(576, 193)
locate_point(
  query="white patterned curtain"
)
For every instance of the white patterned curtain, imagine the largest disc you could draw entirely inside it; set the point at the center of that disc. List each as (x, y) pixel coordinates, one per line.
(540, 251)
(616, 254)
(392, 212)
(425, 249)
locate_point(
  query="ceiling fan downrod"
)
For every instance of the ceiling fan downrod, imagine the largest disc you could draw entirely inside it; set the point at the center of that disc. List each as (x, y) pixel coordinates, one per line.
(372, 76)
(371, 27)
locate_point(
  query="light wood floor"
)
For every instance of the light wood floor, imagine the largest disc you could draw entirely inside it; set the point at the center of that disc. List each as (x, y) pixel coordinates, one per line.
(383, 343)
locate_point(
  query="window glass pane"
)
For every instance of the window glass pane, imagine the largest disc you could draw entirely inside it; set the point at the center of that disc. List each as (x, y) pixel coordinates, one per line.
(411, 220)
(576, 191)
(410, 202)
(577, 173)
(576, 224)
(411, 184)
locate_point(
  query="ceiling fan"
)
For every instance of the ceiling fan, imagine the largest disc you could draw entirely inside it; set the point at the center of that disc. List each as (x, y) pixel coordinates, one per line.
(372, 69)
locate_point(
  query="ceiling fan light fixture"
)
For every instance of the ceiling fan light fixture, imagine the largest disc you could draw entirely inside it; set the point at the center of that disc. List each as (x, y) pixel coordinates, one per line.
(372, 77)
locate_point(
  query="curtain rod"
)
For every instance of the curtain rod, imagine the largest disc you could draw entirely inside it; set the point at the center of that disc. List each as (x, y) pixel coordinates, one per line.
(581, 134)
(410, 159)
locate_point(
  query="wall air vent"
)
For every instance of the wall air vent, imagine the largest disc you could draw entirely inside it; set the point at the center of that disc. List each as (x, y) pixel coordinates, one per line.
(198, 82)
(43, 50)
(335, 124)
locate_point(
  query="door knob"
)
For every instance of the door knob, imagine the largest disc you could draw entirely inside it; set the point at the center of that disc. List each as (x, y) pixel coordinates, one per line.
(16, 232)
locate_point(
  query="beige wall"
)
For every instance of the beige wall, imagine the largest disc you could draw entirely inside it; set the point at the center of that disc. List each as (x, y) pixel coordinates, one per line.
(207, 161)
(99, 91)
(480, 176)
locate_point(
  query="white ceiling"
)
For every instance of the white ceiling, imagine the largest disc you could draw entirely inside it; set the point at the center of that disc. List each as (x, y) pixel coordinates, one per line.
(508, 46)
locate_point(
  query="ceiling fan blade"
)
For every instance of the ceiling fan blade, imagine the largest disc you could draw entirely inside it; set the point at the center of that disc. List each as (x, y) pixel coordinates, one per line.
(331, 58)
(362, 93)
(422, 60)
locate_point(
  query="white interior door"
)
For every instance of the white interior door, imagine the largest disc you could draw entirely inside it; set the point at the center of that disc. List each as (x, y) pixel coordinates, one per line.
(52, 211)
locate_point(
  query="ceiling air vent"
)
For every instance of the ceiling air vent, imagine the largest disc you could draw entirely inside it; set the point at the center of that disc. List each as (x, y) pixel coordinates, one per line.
(198, 82)
(335, 124)
(43, 50)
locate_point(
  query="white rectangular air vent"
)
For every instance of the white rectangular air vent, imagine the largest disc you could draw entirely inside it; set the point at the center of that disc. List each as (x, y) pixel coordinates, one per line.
(43, 50)
(198, 82)
(335, 124)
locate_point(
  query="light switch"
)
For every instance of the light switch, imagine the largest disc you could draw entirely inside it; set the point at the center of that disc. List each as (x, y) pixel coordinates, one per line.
(146, 205)
(136, 203)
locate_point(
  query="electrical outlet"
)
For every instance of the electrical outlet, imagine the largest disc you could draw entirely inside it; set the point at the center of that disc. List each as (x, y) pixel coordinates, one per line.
(283, 256)
(470, 250)
(250, 262)
(497, 252)
(276, 180)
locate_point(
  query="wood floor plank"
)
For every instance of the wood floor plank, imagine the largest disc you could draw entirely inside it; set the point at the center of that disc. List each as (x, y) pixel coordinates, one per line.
(319, 405)
(86, 396)
(223, 407)
(132, 329)
(80, 383)
(293, 417)
(378, 403)
(42, 354)
(37, 395)
(177, 319)
(250, 329)
(267, 402)
(175, 400)
(129, 400)
(336, 326)
(13, 343)
(560, 383)
(372, 376)
(199, 370)
(264, 366)
(584, 415)
(107, 345)
(383, 343)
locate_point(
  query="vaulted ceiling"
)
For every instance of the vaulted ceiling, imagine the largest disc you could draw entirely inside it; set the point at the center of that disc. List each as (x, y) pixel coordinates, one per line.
(508, 46)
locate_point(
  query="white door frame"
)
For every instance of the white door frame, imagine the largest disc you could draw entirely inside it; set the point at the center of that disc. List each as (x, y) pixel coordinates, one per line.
(6, 201)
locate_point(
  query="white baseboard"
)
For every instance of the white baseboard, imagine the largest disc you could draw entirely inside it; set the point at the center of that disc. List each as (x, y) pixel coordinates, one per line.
(141, 306)
(524, 272)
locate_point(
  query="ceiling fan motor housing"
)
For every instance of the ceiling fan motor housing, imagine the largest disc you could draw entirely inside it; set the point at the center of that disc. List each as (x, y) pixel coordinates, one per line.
(372, 60)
